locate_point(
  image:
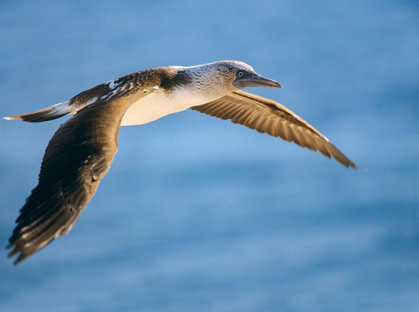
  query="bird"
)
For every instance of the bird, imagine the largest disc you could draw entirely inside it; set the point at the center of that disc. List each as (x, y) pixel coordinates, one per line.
(81, 151)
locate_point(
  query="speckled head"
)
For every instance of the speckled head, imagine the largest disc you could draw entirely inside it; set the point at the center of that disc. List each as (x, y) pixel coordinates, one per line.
(239, 75)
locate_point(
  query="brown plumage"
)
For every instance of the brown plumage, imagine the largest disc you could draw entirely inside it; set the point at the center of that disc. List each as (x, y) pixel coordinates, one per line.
(267, 116)
(81, 151)
(77, 158)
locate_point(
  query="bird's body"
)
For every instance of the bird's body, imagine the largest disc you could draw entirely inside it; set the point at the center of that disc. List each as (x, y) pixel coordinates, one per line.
(165, 101)
(82, 150)
(161, 103)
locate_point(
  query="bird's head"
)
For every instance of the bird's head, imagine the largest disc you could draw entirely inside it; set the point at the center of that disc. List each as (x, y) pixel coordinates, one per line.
(241, 75)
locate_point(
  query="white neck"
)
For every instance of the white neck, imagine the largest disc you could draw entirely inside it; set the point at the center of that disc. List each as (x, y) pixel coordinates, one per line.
(206, 86)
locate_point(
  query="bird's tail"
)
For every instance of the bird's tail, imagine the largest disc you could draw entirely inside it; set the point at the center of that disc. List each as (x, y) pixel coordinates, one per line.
(45, 114)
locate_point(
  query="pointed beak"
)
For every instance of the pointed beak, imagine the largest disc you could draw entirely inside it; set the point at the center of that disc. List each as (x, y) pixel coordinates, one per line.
(255, 80)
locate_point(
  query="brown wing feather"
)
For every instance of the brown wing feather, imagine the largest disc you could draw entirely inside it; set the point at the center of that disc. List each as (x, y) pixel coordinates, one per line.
(77, 158)
(267, 116)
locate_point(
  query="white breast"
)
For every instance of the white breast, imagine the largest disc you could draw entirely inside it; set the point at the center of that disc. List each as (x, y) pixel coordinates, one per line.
(158, 104)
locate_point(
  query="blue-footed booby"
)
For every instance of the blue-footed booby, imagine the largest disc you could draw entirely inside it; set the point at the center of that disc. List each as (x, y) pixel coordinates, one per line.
(81, 151)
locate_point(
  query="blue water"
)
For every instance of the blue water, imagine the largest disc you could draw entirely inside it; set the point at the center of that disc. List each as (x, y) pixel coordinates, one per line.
(199, 214)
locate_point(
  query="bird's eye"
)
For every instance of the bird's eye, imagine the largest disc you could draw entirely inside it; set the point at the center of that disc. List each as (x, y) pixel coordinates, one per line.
(240, 74)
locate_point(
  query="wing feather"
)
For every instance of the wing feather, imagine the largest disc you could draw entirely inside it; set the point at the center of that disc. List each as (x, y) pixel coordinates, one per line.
(267, 116)
(77, 157)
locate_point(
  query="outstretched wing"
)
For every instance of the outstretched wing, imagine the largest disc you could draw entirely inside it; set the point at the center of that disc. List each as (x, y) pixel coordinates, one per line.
(76, 159)
(267, 116)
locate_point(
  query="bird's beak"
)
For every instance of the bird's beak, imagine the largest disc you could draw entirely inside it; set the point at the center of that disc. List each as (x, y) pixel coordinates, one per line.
(255, 80)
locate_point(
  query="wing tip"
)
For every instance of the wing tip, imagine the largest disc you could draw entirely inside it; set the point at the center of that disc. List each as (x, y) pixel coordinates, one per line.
(20, 252)
(13, 253)
(341, 158)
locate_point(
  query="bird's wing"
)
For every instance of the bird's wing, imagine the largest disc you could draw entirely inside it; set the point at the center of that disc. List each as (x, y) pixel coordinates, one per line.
(267, 116)
(77, 158)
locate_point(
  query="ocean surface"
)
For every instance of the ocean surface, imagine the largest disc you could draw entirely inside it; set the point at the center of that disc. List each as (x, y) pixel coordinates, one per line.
(199, 214)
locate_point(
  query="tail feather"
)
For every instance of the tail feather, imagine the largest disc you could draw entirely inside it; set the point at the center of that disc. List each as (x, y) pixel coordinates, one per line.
(45, 114)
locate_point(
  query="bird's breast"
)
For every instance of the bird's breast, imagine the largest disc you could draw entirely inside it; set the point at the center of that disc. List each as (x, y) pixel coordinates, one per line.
(160, 103)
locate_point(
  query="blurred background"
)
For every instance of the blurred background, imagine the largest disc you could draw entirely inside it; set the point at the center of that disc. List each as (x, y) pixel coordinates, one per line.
(199, 214)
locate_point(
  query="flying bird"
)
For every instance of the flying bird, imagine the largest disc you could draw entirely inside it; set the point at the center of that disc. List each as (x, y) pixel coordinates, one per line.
(81, 151)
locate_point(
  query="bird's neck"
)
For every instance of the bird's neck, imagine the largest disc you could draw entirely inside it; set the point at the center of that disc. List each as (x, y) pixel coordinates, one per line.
(207, 81)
